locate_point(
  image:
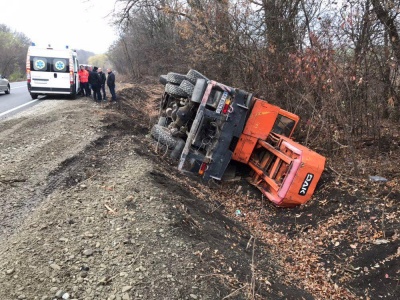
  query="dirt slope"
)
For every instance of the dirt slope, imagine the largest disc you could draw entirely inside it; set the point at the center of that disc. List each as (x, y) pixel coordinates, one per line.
(93, 209)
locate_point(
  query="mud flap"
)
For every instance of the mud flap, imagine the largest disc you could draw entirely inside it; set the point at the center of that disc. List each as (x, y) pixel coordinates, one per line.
(241, 112)
(220, 162)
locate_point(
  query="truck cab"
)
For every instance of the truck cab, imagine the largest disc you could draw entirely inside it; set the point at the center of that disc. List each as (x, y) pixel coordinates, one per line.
(286, 172)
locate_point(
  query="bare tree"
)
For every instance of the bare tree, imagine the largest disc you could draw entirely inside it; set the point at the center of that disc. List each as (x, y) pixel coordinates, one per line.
(335, 65)
(387, 11)
(13, 48)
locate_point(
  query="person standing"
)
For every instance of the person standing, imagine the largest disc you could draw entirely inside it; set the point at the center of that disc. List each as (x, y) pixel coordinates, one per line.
(111, 84)
(84, 84)
(94, 81)
(88, 85)
(103, 83)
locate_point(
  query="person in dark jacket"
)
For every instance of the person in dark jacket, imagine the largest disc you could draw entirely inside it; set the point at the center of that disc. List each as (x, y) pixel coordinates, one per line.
(111, 84)
(103, 83)
(95, 83)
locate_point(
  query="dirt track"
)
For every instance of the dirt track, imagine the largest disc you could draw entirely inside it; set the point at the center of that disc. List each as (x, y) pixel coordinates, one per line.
(90, 208)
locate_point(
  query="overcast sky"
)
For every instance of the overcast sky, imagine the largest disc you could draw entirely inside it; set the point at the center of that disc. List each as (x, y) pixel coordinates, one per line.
(80, 24)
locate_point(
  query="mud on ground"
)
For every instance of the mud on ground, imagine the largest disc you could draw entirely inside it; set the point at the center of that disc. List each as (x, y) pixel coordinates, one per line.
(92, 208)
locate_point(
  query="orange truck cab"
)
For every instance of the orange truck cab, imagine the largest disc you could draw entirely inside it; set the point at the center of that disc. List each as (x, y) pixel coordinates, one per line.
(284, 171)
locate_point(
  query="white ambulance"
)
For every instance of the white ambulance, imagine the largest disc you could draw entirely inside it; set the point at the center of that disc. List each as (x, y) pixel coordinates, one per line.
(52, 71)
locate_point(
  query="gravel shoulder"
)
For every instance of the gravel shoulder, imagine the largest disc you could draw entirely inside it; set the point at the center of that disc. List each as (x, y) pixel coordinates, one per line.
(93, 209)
(88, 213)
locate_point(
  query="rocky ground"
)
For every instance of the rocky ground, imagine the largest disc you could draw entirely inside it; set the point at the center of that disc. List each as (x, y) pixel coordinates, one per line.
(92, 208)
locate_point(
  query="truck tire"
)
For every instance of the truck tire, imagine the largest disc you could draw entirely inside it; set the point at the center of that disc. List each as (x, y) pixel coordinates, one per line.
(193, 75)
(175, 78)
(163, 136)
(187, 87)
(163, 79)
(174, 90)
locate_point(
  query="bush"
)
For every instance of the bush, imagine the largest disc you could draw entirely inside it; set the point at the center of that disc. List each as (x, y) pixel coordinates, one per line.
(17, 76)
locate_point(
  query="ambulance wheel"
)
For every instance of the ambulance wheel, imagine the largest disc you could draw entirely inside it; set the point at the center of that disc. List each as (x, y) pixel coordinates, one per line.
(34, 96)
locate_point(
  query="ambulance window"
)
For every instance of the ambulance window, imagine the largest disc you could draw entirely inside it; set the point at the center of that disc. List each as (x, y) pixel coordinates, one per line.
(39, 63)
(59, 65)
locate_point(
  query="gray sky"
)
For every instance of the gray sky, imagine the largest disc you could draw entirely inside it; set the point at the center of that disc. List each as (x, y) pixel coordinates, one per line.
(80, 24)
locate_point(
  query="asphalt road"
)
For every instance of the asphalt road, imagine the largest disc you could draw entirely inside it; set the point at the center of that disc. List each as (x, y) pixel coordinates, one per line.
(19, 99)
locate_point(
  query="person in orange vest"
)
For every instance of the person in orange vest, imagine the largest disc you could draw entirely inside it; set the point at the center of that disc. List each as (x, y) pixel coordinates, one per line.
(84, 82)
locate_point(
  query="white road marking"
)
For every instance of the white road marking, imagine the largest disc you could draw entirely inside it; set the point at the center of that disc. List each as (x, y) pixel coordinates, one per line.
(18, 107)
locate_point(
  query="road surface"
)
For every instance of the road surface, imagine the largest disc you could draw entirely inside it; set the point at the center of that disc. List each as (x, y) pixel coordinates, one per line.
(19, 99)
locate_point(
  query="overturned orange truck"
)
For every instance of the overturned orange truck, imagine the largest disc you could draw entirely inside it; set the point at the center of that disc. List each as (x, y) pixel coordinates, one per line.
(207, 124)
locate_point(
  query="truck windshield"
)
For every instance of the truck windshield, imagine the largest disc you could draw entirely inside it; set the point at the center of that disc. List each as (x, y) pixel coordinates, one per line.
(49, 64)
(283, 125)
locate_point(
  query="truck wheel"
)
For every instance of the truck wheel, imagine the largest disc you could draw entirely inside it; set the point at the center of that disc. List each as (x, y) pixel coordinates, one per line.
(163, 79)
(175, 77)
(187, 87)
(34, 96)
(193, 75)
(177, 151)
(163, 136)
(8, 90)
(174, 90)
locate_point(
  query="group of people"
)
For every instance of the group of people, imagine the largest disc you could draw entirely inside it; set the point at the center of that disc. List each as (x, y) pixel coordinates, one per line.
(93, 81)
